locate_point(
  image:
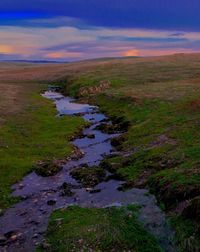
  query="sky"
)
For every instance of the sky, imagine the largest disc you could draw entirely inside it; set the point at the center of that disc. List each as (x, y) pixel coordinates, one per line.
(70, 30)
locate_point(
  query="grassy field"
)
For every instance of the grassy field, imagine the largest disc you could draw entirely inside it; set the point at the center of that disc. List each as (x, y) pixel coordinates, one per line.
(111, 229)
(29, 131)
(160, 98)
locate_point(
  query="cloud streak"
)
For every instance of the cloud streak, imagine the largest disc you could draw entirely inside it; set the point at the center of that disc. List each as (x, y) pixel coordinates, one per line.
(71, 39)
(77, 29)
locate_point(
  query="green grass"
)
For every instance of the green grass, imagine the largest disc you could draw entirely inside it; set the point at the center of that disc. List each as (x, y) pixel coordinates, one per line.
(177, 157)
(33, 134)
(160, 98)
(187, 234)
(111, 229)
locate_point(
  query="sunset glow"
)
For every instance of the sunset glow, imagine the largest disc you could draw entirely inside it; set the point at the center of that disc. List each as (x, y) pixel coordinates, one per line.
(60, 55)
(131, 53)
(4, 49)
(76, 30)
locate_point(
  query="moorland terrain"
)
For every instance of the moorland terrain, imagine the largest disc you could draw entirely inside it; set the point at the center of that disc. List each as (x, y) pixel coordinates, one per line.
(156, 103)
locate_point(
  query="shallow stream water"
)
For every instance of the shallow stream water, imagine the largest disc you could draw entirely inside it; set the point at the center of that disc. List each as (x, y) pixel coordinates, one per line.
(25, 223)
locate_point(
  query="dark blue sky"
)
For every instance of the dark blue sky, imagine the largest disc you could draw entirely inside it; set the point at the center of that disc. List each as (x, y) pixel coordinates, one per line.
(177, 16)
(172, 14)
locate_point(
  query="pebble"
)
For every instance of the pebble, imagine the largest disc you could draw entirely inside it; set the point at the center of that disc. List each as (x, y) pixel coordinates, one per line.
(59, 221)
(91, 136)
(45, 245)
(21, 186)
(35, 235)
(23, 213)
(13, 237)
(95, 191)
(88, 189)
(9, 234)
(51, 202)
(2, 239)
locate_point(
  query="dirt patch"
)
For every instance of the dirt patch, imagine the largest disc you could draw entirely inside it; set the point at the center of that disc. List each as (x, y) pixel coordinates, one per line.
(162, 140)
(102, 86)
(140, 182)
(193, 105)
(11, 99)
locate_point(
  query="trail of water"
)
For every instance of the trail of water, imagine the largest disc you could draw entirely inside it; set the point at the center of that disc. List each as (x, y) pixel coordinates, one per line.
(25, 223)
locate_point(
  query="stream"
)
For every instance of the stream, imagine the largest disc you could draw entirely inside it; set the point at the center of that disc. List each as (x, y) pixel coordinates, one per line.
(24, 224)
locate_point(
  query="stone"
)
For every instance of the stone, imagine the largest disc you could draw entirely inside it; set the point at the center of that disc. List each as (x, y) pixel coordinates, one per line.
(91, 136)
(35, 235)
(66, 189)
(59, 221)
(95, 191)
(77, 154)
(21, 186)
(9, 234)
(45, 245)
(13, 237)
(2, 239)
(88, 189)
(51, 202)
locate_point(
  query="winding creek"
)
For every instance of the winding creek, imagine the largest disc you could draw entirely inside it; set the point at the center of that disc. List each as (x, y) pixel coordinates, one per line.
(25, 223)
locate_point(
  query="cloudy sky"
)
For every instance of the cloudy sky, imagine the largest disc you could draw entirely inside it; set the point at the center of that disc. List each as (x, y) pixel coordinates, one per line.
(68, 30)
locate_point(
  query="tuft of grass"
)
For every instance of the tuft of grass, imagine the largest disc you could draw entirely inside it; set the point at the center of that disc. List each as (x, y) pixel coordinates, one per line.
(109, 229)
(89, 176)
(187, 233)
(172, 186)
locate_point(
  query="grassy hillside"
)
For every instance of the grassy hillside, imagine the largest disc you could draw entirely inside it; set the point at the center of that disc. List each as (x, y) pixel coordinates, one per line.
(160, 98)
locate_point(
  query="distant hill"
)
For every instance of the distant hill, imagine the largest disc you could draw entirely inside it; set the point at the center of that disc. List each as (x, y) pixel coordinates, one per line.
(35, 61)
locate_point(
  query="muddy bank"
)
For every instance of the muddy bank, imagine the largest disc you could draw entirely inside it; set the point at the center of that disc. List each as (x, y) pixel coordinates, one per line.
(23, 226)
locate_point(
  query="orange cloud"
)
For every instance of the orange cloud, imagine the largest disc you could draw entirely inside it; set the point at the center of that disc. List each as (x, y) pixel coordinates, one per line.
(5, 49)
(129, 53)
(60, 55)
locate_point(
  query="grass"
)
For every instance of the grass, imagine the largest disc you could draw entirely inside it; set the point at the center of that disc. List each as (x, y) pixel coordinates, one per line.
(110, 229)
(89, 177)
(187, 234)
(154, 111)
(176, 155)
(158, 96)
(30, 134)
(29, 130)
